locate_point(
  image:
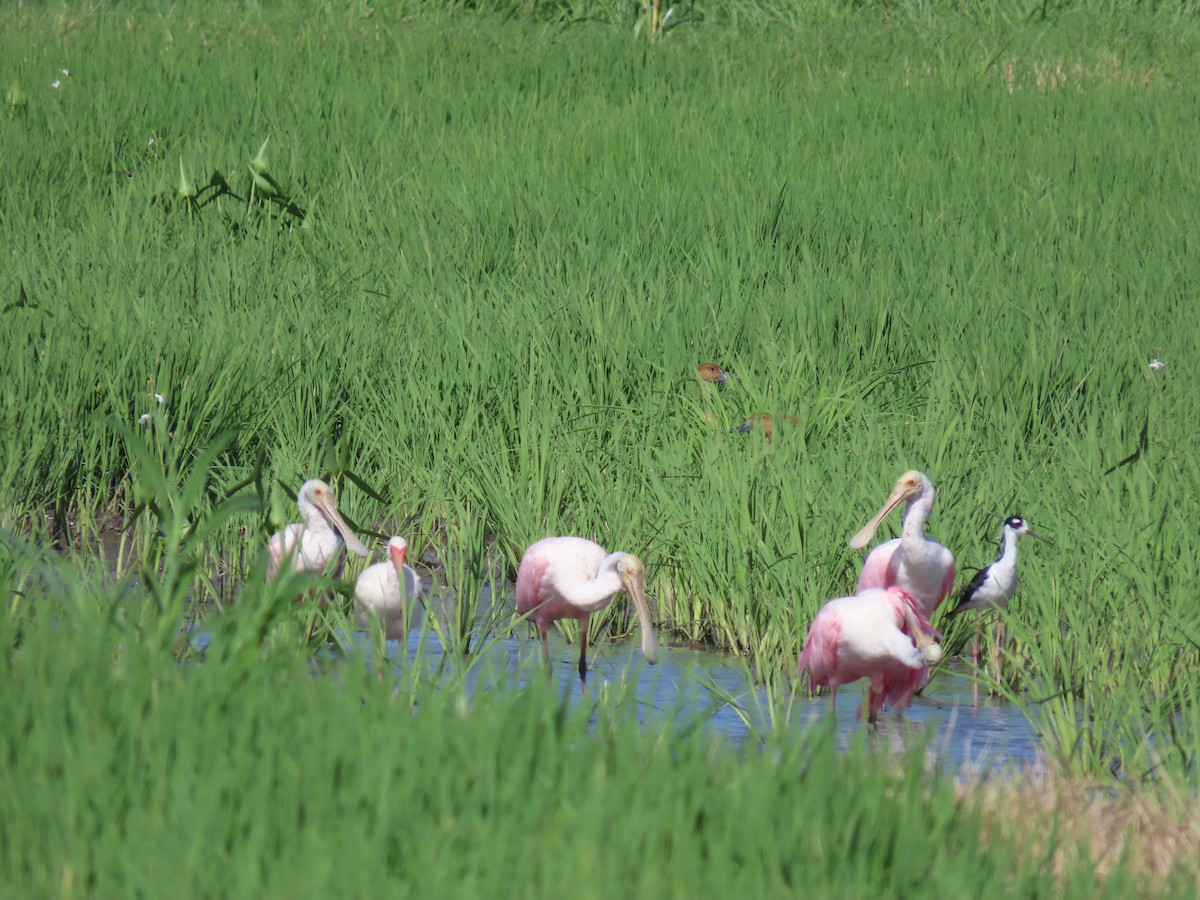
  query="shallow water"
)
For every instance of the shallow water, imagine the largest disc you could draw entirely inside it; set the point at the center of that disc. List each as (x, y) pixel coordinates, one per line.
(962, 734)
(963, 730)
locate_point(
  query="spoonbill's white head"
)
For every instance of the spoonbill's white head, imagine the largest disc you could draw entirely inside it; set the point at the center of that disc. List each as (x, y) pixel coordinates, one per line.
(316, 495)
(909, 486)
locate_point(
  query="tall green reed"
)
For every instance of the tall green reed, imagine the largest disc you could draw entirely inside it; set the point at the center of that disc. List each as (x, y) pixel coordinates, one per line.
(514, 259)
(132, 771)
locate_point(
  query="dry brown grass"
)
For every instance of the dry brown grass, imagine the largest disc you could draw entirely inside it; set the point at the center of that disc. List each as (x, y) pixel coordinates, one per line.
(1154, 832)
(1046, 75)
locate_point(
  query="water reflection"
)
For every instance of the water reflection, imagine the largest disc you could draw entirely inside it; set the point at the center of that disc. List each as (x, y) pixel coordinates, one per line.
(962, 734)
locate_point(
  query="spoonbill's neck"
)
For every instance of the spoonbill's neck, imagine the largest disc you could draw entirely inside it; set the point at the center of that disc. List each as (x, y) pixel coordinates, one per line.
(596, 592)
(314, 517)
(917, 513)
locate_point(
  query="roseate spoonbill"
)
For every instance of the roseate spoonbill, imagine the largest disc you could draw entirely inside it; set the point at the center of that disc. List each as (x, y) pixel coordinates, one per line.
(918, 565)
(384, 590)
(870, 635)
(310, 545)
(994, 585)
(571, 578)
(765, 422)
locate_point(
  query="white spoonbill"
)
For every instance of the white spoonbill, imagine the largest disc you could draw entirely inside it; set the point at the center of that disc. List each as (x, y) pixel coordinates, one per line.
(994, 585)
(384, 590)
(918, 565)
(310, 545)
(870, 635)
(571, 578)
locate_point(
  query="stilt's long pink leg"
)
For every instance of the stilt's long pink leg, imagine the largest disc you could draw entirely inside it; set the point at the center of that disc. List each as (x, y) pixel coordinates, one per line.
(998, 638)
(975, 643)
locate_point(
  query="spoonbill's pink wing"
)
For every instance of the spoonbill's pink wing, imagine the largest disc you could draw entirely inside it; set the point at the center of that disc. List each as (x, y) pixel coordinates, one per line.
(875, 569)
(820, 649)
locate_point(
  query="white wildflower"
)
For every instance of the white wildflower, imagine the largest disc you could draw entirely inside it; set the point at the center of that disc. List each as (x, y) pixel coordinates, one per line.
(56, 84)
(160, 399)
(1156, 364)
(144, 419)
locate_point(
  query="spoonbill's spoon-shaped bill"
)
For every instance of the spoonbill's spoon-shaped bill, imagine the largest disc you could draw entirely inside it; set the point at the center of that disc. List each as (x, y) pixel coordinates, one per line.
(908, 486)
(571, 578)
(312, 543)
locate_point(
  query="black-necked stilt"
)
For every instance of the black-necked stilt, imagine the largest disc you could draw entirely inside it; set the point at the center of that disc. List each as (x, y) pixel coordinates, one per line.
(994, 585)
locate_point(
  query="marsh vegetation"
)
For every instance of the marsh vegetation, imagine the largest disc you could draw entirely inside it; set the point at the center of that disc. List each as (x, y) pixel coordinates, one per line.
(462, 264)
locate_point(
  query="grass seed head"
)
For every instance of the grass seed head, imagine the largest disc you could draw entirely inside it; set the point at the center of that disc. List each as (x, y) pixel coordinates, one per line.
(187, 187)
(15, 95)
(258, 164)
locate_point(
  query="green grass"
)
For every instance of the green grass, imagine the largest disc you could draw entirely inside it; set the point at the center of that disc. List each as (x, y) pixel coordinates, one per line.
(501, 241)
(129, 772)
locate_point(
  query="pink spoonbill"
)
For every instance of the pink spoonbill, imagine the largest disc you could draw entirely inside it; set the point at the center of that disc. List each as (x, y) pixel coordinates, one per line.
(310, 546)
(918, 565)
(384, 590)
(868, 636)
(571, 578)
